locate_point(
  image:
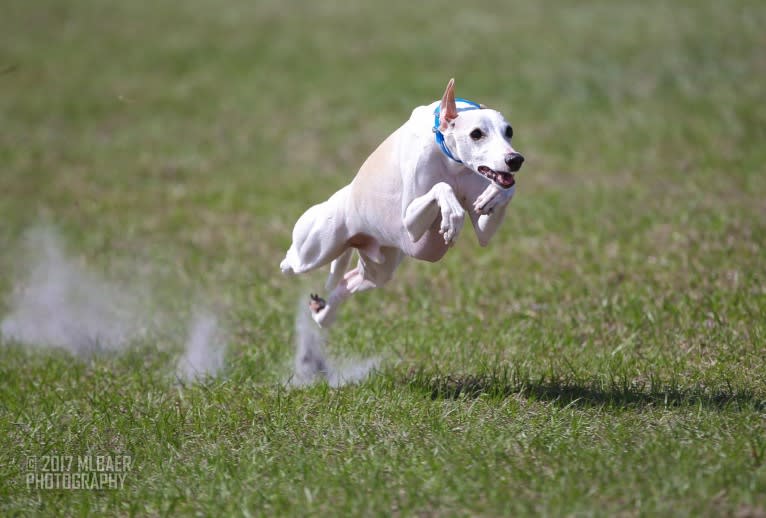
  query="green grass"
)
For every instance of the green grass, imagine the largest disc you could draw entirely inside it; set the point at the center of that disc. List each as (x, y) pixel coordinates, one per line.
(603, 356)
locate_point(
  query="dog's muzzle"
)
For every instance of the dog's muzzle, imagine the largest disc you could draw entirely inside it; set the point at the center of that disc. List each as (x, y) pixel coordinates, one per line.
(504, 179)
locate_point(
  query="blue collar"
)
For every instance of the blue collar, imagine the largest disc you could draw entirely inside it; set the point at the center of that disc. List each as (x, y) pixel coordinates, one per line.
(440, 136)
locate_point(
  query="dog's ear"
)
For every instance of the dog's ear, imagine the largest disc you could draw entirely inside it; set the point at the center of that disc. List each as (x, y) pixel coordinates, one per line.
(448, 110)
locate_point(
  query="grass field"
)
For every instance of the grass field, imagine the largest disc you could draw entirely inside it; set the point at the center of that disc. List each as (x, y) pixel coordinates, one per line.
(603, 356)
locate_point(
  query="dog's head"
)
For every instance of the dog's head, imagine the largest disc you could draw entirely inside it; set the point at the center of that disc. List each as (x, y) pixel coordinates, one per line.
(480, 139)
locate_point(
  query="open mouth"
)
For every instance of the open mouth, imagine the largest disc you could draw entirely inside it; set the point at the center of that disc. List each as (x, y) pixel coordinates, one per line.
(501, 178)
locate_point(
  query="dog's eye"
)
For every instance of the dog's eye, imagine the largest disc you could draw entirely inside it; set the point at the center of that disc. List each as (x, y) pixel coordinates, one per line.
(476, 134)
(508, 132)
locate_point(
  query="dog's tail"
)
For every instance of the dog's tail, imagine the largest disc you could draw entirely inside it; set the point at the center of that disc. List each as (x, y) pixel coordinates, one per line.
(287, 264)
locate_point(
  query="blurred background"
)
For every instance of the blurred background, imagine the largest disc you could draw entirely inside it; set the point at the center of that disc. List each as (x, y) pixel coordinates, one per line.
(192, 135)
(177, 143)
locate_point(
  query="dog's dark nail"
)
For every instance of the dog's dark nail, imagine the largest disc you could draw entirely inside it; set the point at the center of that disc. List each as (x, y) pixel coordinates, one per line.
(317, 303)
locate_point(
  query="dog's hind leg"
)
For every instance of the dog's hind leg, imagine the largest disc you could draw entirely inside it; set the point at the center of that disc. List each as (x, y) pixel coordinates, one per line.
(319, 236)
(367, 275)
(338, 269)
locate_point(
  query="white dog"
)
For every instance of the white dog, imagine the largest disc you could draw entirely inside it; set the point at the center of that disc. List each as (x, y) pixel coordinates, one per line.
(409, 198)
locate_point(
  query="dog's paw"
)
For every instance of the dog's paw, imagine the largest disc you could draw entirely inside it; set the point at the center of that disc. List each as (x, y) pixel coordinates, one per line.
(322, 312)
(316, 303)
(452, 222)
(492, 198)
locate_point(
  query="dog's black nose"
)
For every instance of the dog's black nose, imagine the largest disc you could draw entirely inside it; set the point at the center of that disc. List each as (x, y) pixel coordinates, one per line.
(514, 161)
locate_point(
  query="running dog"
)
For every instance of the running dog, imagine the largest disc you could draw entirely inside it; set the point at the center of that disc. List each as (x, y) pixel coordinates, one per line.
(410, 198)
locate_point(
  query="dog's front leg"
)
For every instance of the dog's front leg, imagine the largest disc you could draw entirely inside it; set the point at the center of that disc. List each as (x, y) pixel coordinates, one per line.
(489, 211)
(423, 211)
